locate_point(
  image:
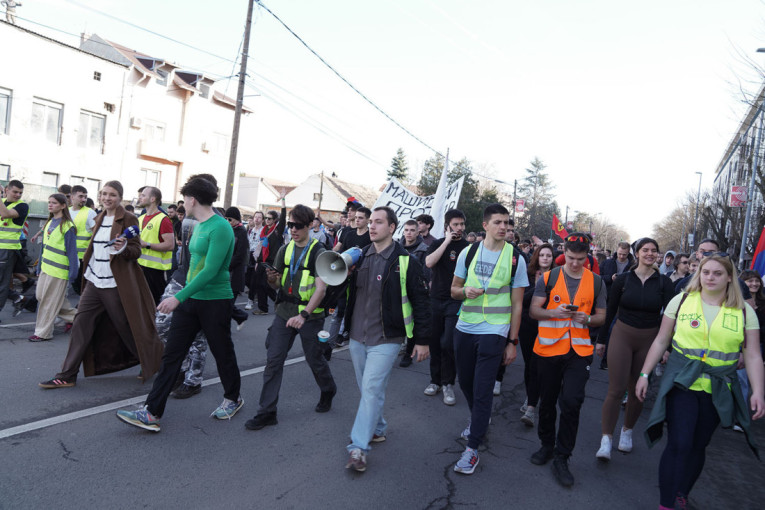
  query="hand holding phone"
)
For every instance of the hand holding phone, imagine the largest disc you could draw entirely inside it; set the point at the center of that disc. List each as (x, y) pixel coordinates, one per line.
(571, 308)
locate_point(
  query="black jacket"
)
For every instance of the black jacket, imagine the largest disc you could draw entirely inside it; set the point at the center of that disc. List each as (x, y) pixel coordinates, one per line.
(238, 264)
(392, 315)
(609, 268)
(275, 239)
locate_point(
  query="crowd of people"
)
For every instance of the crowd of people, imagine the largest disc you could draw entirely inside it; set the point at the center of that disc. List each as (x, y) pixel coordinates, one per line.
(158, 289)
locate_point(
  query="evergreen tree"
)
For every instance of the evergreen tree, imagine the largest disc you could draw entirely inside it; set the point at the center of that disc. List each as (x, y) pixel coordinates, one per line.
(398, 167)
(537, 189)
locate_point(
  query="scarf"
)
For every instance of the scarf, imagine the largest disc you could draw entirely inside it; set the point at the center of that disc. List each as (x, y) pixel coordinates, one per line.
(264, 233)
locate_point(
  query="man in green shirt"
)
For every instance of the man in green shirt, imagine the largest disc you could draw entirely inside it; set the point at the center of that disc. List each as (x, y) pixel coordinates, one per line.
(204, 304)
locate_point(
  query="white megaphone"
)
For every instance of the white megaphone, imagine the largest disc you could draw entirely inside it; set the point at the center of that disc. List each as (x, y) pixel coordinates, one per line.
(333, 267)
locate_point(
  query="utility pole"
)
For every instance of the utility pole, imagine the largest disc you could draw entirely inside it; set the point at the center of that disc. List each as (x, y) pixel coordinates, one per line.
(696, 214)
(238, 111)
(750, 194)
(515, 199)
(321, 190)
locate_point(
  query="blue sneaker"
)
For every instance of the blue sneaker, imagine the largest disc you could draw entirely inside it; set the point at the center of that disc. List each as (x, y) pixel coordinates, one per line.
(140, 418)
(467, 463)
(228, 409)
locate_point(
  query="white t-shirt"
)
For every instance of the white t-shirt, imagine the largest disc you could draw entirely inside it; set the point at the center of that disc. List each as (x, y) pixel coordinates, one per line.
(99, 272)
(90, 222)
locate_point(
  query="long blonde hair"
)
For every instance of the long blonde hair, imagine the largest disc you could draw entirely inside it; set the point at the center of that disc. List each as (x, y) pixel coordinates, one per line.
(733, 298)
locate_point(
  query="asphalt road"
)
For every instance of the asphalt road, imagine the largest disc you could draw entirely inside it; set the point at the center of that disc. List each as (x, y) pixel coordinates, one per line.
(65, 448)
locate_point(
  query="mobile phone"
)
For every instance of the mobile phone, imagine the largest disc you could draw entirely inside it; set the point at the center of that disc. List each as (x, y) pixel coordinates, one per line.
(269, 266)
(571, 308)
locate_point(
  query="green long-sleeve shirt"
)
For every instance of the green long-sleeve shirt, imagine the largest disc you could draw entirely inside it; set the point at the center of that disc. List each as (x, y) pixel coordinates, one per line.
(211, 247)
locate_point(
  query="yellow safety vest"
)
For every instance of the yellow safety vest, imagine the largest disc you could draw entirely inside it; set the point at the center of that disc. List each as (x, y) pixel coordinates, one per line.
(495, 304)
(162, 260)
(716, 345)
(406, 306)
(83, 236)
(10, 233)
(54, 261)
(307, 285)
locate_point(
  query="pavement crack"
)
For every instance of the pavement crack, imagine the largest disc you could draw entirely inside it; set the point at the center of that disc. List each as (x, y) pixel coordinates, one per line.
(201, 430)
(67, 452)
(445, 502)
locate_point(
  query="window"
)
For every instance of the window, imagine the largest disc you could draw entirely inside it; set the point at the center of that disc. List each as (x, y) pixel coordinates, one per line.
(220, 143)
(5, 172)
(5, 110)
(150, 177)
(76, 179)
(92, 185)
(50, 179)
(46, 119)
(154, 131)
(90, 134)
(96, 76)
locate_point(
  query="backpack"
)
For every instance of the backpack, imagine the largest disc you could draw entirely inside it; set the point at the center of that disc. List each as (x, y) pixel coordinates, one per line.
(553, 279)
(474, 249)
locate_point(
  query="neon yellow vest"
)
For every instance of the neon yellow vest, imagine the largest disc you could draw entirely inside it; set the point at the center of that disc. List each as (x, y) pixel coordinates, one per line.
(495, 304)
(10, 233)
(717, 345)
(83, 236)
(54, 261)
(307, 284)
(162, 260)
(406, 306)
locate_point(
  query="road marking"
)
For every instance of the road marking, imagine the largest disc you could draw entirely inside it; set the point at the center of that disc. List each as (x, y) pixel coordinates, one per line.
(17, 324)
(56, 420)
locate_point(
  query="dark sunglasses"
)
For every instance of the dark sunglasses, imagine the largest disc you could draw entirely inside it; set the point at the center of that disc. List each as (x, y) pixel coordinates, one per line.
(717, 253)
(577, 239)
(296, 226)
(270, 218)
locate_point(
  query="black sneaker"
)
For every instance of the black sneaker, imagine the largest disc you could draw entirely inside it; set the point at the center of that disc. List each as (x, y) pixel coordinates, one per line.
(325, 402)
(542, 456)
(261, 420)
(406, 360)
(186, 391)
(561, 472)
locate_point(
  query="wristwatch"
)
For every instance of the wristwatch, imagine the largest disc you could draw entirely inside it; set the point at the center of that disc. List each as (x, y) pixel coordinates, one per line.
(304, 314)
(512, 341)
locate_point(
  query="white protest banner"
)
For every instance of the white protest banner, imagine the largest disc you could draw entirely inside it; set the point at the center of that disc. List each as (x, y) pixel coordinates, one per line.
(408, 206)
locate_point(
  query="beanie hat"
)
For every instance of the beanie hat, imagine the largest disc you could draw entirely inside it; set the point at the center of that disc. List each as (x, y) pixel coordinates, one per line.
(233, 212)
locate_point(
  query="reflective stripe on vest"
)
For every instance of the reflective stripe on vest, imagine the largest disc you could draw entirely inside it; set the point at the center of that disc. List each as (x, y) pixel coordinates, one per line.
(10, 233)
(83, 236)
(162, 260)
(307, 285)
(557, 336)
(717, 345)
(54, 261)
(494, 306)
(406, 306)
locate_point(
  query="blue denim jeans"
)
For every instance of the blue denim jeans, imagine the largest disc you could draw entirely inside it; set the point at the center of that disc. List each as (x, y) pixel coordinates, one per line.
(373, 366)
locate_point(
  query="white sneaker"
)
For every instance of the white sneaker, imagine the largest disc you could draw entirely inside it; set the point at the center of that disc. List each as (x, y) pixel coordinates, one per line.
(525, 406)
(431, 389)
(497, 388)
(449, 398)
(249, 304)
(466, 432)
(605, 449)
(625, 441)
(528, 418)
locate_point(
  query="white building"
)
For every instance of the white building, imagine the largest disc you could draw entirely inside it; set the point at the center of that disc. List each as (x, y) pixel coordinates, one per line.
(104, 111)
(335, 194)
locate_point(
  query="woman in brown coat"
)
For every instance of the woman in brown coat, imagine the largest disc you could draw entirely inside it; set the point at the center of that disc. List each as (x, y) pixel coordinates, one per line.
(114, 326)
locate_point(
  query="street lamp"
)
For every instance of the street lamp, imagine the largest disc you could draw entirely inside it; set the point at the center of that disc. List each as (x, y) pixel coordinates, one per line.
(696, 214)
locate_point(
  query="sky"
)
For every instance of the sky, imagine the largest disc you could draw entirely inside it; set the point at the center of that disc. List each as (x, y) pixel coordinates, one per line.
(623, 102)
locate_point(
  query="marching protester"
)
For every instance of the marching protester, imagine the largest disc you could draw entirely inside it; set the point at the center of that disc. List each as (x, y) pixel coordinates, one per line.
(253, 237)
(753, 281)
(635, 301)
(387, 303)
(13, 214)
(300, 292)
(667, 262)
(413, 243)
(441, 259)
(681, 267)
(114, 325)
(706, 326)
(157, 241)
(359, 237)
(486, 334)
(567, 301)
(58, 266)
(707, 248)
(238, 264)
(204, 304)
(271, 239)
(541, 262)
(84, 219)
(424, 224)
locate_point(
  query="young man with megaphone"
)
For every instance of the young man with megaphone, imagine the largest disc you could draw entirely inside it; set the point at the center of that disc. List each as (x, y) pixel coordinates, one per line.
(300, 293)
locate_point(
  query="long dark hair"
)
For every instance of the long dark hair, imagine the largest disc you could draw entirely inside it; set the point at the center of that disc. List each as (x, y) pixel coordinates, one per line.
(759, 297)
(534, 262)
(61, 199)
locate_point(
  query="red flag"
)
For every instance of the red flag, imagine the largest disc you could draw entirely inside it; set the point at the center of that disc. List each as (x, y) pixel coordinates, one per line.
(558, 227)
(758, 261)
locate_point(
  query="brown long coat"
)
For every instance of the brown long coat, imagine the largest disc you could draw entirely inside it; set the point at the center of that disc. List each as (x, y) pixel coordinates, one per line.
(106, 353)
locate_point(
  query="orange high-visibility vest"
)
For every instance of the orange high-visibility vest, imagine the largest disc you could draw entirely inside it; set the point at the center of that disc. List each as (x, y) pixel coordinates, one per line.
(557, 336)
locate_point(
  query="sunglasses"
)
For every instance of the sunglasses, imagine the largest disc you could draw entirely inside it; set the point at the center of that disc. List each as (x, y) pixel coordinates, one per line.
(269, 218)
(717, 253)
(296, 226)
(577, 239)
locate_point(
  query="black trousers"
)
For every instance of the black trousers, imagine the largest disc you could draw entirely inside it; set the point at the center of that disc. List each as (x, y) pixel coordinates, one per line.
(527, 338)
(442, 366)
(213, 317)
(157, 282)
(561, 379)
(263, 290)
